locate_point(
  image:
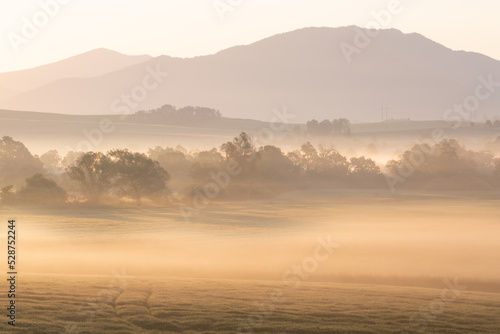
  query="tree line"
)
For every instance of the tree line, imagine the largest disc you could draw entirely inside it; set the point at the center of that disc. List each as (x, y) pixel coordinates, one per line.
(188, 111)
(97, 177)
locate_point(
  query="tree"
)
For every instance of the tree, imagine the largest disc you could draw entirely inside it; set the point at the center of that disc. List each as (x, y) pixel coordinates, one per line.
(341, 126)
(363, 167)
(138, 175)
(7, 194)
(205, 163)
(325, 162)
(446, 161)
(312, 126)
(41, 190)
(71, 158)
(94, 172)
(16, 161)
(274, 165)
(51, 160)
(173, 160)
(332, 163)
(242, 151)
(322, 128)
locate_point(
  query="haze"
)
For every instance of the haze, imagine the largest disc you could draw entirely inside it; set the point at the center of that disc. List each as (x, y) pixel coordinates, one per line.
(233, 166)
(193, 28)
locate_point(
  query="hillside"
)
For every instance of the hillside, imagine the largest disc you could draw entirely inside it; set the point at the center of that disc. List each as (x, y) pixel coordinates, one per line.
(87, 65)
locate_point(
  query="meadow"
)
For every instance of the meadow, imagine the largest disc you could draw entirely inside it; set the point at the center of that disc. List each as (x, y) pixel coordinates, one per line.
(254, 266)
(86, 304)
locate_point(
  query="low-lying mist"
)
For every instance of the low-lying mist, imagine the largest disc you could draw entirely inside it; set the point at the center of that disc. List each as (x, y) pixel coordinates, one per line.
(415, 240)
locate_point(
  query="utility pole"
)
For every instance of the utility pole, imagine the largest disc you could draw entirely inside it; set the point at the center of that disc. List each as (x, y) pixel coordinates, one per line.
(384, 108)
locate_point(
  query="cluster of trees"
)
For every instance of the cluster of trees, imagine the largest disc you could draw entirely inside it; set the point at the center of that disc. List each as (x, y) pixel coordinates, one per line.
(37, 190)
(444, 161)
(16, 162)
(119, 172)
(130, 174)
(98, 176)
(188, 111)
(326, 127)
(495, 123)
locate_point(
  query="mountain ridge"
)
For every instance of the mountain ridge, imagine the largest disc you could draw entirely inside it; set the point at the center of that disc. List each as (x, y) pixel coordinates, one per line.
(303, 70)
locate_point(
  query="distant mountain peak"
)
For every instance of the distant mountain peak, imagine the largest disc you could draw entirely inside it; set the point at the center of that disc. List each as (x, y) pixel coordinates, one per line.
(303, 70)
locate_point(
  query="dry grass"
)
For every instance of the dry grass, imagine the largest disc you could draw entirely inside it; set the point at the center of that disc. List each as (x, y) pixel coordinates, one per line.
(55, 304)
(230, 257)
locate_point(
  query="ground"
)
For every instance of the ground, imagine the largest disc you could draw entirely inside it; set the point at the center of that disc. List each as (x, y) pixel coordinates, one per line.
(411, 262)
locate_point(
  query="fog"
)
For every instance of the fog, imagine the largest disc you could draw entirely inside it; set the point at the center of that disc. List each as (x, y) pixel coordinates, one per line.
(410, 240)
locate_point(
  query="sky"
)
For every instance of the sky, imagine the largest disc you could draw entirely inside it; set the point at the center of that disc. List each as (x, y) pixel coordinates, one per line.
(37, 32)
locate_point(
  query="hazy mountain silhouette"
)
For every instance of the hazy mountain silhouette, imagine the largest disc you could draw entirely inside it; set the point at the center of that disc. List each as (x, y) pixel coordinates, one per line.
(86, 65)
(303, 70)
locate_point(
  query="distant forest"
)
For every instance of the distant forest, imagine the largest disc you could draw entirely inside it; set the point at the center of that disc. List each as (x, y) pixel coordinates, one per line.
(184, 112)
(236, 170)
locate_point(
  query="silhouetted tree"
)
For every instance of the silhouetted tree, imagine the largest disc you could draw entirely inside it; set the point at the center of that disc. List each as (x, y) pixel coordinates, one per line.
(94, 172)
(326, 162)
(16, 161)
(70, 158)
(363, 167)
(7, 194)
(138, 175)
(312, 126)
(41, 190)
(205, 163)
(341, 126)
(325, 127)
(274, 165)
(242, 150)
(445, 160)
(173, 160)
(51, 160)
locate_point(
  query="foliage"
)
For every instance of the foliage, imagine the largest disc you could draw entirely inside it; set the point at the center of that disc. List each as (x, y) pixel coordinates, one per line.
(138, 175)
(188, 111)
(242, 151)
(41, 190)
(16, 162)
(325, 127)
(51, 160)
(94, 172)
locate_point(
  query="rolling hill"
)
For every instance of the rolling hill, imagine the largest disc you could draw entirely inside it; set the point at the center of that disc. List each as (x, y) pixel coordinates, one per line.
(89, 64)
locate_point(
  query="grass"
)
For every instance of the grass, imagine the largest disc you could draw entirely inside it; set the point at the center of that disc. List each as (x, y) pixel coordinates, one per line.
(79, 304)
(217, 272)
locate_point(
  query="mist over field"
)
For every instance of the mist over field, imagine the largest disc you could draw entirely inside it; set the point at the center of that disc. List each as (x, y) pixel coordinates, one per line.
(315, 179)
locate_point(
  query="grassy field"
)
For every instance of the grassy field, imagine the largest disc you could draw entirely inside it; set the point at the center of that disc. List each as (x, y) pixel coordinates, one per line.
(121, 304)
(233, 266)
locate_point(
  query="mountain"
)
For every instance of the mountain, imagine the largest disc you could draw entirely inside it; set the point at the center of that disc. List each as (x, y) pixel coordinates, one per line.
(90, 64)
(303, 70)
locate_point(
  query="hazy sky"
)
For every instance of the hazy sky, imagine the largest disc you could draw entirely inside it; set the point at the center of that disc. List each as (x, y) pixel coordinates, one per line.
(187, 28)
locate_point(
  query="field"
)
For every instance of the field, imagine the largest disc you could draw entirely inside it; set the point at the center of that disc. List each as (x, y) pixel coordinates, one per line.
(259, 266)
(76, 304)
